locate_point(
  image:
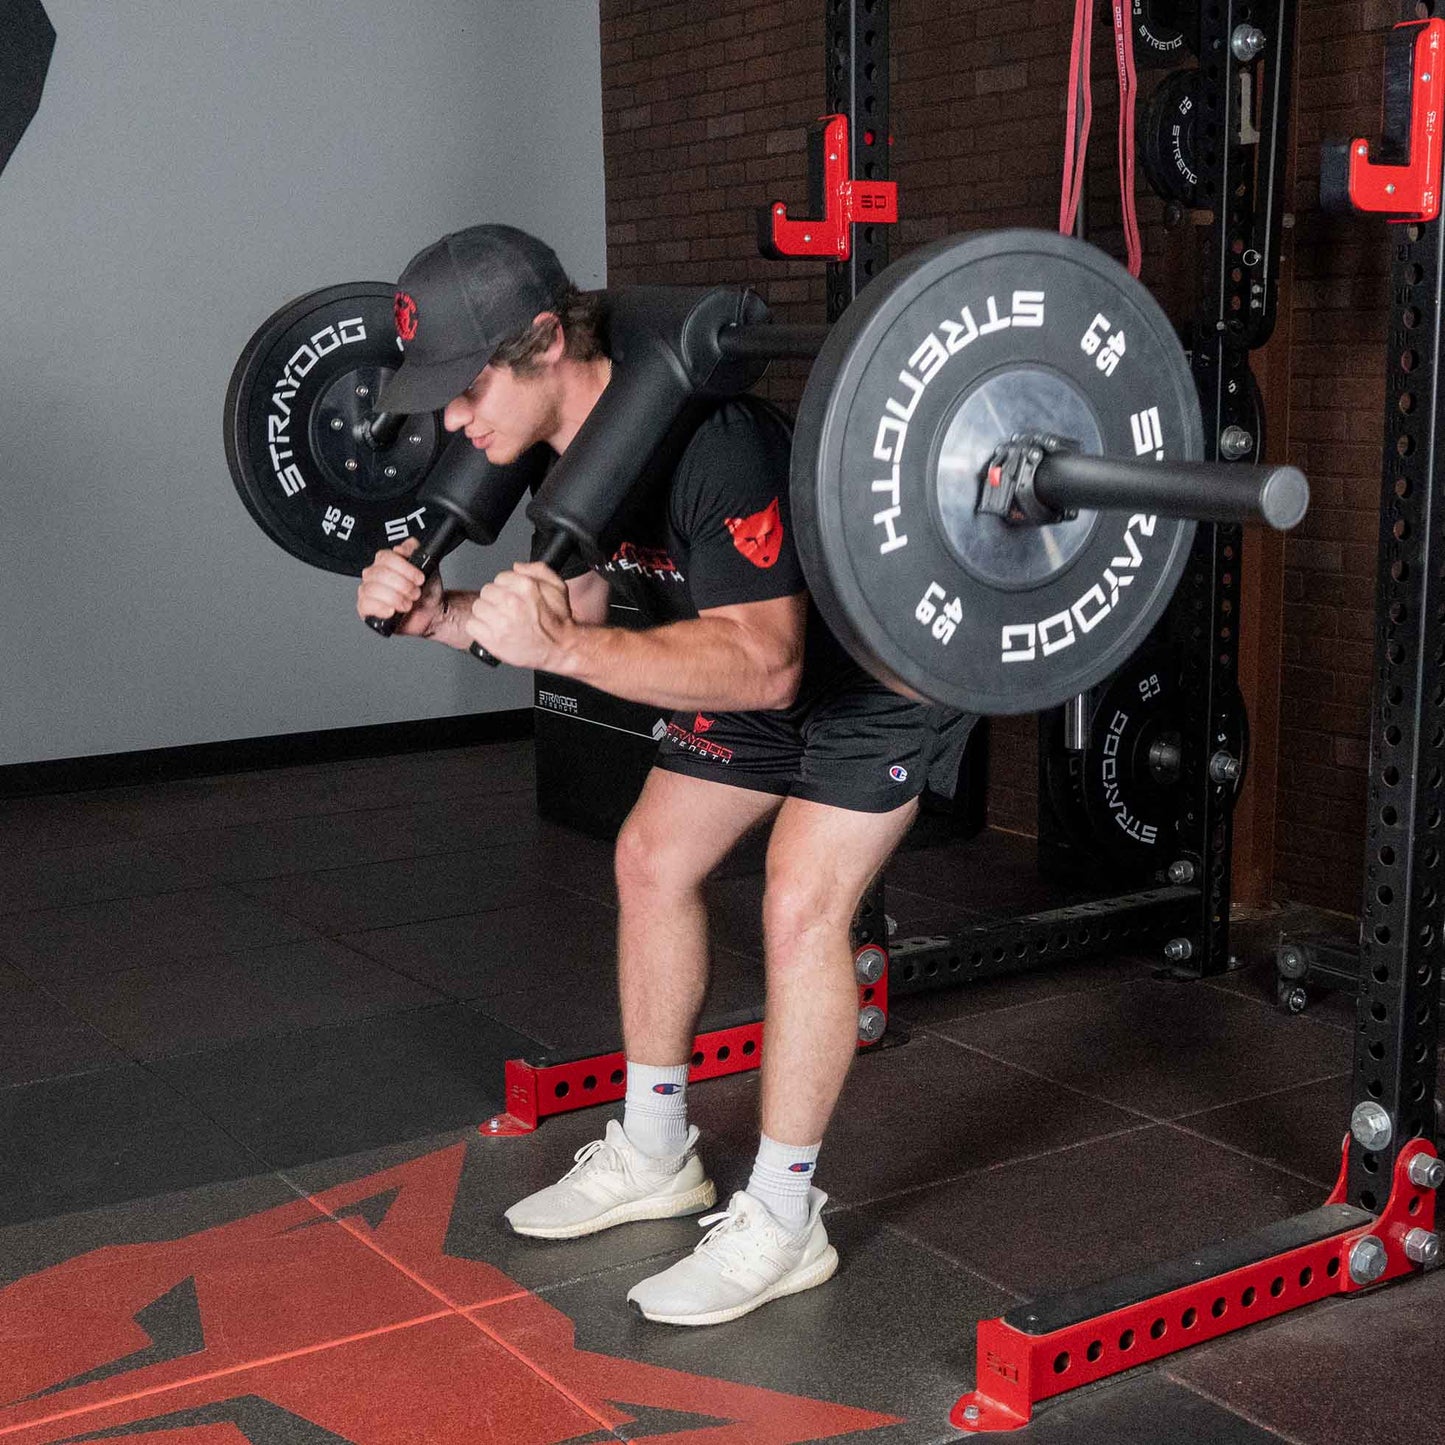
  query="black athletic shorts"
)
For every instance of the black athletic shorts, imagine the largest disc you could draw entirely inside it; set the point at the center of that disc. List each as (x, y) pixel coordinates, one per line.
(859, 747)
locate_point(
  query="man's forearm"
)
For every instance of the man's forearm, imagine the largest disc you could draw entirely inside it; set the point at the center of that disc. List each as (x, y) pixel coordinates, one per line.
(702, 663)
(450, 628)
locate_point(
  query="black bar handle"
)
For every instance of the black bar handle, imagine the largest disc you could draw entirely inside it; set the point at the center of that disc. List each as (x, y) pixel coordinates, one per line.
(767, 342)
(556, 551)
(1204, 491)
(448, 535)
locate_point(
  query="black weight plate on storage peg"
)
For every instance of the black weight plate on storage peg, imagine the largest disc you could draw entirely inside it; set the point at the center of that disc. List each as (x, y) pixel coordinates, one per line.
(1164, 30)
(945, 355)
(1130, 772)
(1167, 144)
(308, 377)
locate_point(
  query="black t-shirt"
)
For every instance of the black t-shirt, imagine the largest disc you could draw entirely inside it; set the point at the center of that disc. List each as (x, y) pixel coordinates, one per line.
(708, 525)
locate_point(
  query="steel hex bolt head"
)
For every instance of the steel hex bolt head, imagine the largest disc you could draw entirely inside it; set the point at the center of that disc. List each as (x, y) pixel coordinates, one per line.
(1246, 42)
(1181, 871)
(1422, 1247)
(1235, 442)
(1178, 950)
(869, 963)
(872, 1022)
(1368, 1260)
(1427, 1172)
(1291, 961)
(1371, 1126)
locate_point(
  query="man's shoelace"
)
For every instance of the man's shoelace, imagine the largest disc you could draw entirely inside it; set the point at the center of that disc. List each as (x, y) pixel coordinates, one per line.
(722, 1241)
(586, 1154)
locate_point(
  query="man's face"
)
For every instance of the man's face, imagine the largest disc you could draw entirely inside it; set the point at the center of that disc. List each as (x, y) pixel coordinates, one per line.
(503, 413)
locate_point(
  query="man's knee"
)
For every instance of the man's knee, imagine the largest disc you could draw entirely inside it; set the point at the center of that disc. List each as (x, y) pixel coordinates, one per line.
(803, 902)
(649, 857)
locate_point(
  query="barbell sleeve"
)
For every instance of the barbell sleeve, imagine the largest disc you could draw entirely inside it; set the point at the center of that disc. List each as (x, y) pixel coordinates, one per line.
(381, 429)
(1204, 491)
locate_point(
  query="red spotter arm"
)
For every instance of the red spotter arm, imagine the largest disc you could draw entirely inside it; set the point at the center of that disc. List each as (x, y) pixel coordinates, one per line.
(840, 199)
(1401, 179)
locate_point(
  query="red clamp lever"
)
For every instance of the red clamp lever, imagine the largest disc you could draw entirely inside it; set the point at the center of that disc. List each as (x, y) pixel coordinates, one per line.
(837, 197)
(1401, 180)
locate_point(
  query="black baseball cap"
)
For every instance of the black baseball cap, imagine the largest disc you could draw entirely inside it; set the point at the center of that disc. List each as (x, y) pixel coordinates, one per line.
(457, 301)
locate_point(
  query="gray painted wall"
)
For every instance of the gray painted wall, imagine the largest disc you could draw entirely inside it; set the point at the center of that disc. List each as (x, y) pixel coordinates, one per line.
(192, 168)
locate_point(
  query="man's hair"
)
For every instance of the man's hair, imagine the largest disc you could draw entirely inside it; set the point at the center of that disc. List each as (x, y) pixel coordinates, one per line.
(580, 315)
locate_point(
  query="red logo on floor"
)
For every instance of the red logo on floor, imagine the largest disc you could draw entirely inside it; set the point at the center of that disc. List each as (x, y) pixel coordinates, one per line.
(351, 1325)
(759, 537)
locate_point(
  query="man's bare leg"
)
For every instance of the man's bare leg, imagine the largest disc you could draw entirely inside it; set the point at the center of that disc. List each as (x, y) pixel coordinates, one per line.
(820, 861)
(680, 829)
(645, 1167)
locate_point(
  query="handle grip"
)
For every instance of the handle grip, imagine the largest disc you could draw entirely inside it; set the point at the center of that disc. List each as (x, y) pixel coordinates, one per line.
(556, 551)
(428, 558)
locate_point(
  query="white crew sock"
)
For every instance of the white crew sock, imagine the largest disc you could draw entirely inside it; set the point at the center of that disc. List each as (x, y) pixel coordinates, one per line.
(782, 1175)
(655, 1115)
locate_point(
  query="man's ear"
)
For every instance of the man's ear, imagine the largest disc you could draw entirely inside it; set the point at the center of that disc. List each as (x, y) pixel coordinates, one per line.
(558, 343)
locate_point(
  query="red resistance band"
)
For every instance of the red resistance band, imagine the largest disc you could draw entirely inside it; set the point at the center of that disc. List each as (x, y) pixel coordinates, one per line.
(1080, 116)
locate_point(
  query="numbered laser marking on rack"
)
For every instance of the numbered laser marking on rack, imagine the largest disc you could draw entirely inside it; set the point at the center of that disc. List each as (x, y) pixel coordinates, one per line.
(283, 393)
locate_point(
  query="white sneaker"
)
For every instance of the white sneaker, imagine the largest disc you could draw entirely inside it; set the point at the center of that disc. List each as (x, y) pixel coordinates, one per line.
(747, 1259)
(614, 1182)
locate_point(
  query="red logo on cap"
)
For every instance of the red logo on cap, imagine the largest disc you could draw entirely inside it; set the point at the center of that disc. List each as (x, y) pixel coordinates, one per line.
(759, 537)
(405, 316)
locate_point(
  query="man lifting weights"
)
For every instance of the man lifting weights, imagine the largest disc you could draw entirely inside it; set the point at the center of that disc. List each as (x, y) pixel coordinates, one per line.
(772, 721)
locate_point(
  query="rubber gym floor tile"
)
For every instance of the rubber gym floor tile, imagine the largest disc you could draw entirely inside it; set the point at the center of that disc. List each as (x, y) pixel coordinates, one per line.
(132, 1318)
(71, 820)
(1163, 1048)
(1256, 980)
(585, 1017)
(423, 1383)
(64, 876)
(95, 938)
(846, 1344)
(170, 1009)
(447, 1196)
(111, 1232)
(549, 945)
(1143, 1408)
(41, 1039)
(574, 862)
(373, 835)
(967, 1000)
(993, 873)
(106, 1137)
(236, 799)
(929, 1111)
(1107, 1207)
(378, 895)
(295, 1098)
(1301, 1129)
(1364, 1370)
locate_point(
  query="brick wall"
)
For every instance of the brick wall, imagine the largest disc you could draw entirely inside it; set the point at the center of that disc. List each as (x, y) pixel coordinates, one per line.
(1337, 369)
(705, 112)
